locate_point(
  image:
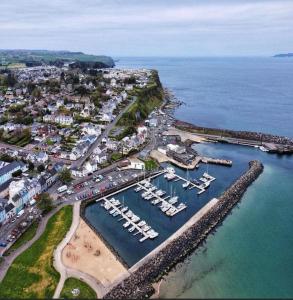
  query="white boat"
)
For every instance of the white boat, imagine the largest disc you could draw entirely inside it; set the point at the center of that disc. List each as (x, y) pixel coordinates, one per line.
(129, 214)
(124, 209)
(153, 188)
(173, 200)
(181, 205)
(149, 197)
(206, 184)
(146, 228)
(138, 189)
(141, 223)
(112, 211)
(131, 229)
(185, 184)
(170, 176)
(125, 225)
(155, 201)
(160, 193)
(170, 170)
(171, 211)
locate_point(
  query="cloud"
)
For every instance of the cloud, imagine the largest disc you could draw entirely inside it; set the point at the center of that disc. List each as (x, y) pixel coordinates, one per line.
(148, 27)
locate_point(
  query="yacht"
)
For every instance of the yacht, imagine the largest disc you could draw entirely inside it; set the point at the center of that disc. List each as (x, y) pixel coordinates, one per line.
(173, 200)
(171, 211)
(160, 193)
(170, 170)
(153, 188)
(206, 184)
(149, 197)
(152, 234)
(186, 184)
(138, 189)
(181, 205)
(170, 176)
(125, 225)
(131, 229)
(141, 223)
(129, 214)
(146, 228)
(155, 201)
(124, 209)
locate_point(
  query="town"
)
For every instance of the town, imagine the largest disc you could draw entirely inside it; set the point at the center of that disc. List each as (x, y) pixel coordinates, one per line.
(59, 124)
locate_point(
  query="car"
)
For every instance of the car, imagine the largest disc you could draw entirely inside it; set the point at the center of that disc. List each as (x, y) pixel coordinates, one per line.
(2, 244)
(13, 220)
(76, 198)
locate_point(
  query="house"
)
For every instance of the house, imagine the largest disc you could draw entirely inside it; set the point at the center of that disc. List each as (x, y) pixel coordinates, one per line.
(91, 129)
(137, 164)
(100, 158)
(2, 210)
(10, 211)
(7, 169)
(23, 191)
(42, 157)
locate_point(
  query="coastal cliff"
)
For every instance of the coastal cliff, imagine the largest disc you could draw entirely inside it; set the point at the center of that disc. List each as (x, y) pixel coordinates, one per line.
(139, 284)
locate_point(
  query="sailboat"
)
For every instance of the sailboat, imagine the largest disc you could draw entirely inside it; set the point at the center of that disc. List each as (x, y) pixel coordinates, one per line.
(186, 183)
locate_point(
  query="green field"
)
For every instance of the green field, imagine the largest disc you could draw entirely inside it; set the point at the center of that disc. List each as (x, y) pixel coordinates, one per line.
(86, 292)
(150, 164)
(32, 274)
(27, 236)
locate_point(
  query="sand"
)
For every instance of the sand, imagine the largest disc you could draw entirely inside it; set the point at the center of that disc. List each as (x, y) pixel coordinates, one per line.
(184, 135)
(81, 254)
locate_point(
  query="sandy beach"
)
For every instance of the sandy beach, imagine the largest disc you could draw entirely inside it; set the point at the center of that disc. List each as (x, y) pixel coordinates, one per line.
(87, 253)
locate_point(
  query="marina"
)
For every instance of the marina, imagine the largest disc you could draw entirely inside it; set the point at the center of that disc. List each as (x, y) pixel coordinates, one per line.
(131, 219)
(160, 201)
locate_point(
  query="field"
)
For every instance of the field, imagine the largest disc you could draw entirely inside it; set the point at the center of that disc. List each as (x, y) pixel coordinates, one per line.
(27, 236)
(32, 274)
(86, 292)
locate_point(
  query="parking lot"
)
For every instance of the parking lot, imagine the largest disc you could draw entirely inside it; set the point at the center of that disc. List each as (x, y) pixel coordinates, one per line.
(99, 184)
(15, 226)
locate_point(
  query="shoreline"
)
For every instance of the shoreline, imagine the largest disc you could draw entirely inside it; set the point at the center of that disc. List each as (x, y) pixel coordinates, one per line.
(139, 283)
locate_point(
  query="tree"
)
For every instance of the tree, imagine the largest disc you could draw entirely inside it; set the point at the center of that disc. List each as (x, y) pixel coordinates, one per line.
(44, 202)
(41, 168)
(65, 175)
(36, 93)
(17, 173)
(31, 166)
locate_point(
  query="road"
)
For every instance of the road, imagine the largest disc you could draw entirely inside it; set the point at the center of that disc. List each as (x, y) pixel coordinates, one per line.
(105, 133)
(8, 260)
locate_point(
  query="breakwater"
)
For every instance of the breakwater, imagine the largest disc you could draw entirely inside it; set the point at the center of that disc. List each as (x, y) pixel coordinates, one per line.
(281, 144)
(139, 283)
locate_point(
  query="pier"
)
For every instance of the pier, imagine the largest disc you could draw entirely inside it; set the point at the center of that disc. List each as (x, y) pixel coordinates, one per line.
(138, 229)
(163, 200)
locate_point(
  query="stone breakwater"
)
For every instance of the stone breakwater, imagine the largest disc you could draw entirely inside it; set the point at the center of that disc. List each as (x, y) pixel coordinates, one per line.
(245, 135)
(139, 284)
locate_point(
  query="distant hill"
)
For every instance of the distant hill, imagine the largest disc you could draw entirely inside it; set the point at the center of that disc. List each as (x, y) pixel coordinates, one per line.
(38, 57)
(284, 55)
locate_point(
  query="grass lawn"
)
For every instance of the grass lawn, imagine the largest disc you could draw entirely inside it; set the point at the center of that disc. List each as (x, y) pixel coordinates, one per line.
(32, 274)
(86, 292)
(151, 164)
(27, 236)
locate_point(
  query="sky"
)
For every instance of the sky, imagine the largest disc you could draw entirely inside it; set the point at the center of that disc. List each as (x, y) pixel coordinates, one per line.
(149, 27)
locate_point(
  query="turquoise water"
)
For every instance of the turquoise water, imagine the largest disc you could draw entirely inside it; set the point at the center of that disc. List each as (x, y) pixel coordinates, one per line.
(251, 255)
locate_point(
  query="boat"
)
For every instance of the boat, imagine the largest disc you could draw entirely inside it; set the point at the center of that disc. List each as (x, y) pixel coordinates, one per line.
(170, 170)
(124, 209)
(141, 223)
(145, 194)
(125, 225)
(181, 205)
(129, 214)
(155, 201)
(139, 188)
(112, 211)
(135, 218)
(153, 188)
(186, 184)
(170, 176)
(146, 228)
(206, 184)
(171, 211)
(173, 200)
(149, 197)
(131, 229)
(152, 234)
(195, 181)
(160, 193)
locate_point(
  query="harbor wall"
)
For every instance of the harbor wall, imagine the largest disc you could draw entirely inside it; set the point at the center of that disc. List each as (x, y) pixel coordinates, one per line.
(245, 135)
(139, 284)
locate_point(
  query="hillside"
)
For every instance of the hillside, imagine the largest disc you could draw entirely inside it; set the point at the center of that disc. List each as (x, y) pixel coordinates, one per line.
(284, 55)
(38, 57)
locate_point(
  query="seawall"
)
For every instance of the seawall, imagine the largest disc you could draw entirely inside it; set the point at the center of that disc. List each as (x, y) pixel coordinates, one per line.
(139, 283)
(283, 144)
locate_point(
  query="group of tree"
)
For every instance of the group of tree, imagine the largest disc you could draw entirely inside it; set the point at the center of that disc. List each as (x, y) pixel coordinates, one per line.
(45, 203)
(65, 176)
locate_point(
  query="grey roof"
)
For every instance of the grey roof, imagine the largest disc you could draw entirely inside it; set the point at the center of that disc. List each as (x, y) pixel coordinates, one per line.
(9, 207)
(10, 167)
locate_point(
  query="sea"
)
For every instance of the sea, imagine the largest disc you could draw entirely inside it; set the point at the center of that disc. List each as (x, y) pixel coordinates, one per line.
(251, 253)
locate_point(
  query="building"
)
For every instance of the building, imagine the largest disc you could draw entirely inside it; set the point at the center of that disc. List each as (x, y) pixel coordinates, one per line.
(7, 169)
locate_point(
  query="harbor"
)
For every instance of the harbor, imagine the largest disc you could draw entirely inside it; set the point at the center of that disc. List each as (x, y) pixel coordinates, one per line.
(163, 201)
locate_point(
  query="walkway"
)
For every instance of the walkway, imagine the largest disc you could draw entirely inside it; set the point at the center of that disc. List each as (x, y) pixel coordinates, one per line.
(8, 260)
(66, 272)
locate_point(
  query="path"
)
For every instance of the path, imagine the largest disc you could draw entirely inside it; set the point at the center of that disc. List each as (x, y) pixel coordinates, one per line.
(66, 272)
(8, 260)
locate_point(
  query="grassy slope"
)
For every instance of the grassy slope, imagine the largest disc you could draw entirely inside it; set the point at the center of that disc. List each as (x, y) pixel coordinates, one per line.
(27, 236)
(86, 292)
(32, 275)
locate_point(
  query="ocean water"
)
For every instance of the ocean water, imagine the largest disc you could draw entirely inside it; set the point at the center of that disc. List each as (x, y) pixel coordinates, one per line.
(251, 254)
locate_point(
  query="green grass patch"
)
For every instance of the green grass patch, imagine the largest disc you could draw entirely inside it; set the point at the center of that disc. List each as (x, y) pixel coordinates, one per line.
(116, 156)
(150, 164)
(27, 236)
(86, 292)
(32, 274)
